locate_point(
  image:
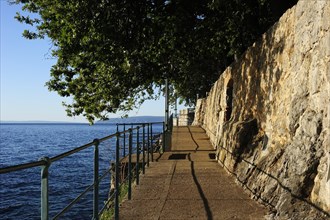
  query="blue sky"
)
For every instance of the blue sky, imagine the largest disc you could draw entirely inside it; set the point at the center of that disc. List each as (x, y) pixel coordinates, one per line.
(25, 66)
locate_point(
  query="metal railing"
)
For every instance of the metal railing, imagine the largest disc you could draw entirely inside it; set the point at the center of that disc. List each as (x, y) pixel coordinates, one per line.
(145, 145)
(167, 134)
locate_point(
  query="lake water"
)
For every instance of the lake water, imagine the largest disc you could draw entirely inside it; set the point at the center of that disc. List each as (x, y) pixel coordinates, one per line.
(22, 143)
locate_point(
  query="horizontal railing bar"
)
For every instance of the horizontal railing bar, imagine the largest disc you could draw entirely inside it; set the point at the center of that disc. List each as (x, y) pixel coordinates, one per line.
(22, 166)
(111, 195)
(82, 194)
(127, 130)
(142, 123)
(103, 208)
(105, 174)
(74, 201)
(126, 178)
(108, 137)
(107, 203)
(68, 153)
(115, 134)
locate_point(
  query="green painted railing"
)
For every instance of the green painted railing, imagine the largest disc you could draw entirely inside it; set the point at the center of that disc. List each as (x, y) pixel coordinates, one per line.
(145, 145)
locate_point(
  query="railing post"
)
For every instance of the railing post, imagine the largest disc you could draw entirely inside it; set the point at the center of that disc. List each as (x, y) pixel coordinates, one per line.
(44, 189)
(96, 180)
(169, 132)
(148, 144)
(130, 164)
(164, 137)
(117, 188)
(143, 149)
(137, 167)
(152, 144)
(166, 104)
(124, 147)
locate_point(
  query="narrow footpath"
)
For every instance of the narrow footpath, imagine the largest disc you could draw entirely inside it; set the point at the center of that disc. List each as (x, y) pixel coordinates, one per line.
(186, 182)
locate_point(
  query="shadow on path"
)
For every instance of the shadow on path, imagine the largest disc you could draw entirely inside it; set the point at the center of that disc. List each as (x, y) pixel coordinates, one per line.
(200, 190)
(192, 138)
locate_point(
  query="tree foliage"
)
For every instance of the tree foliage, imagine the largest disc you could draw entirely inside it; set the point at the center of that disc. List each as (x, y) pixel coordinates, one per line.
(112, 54)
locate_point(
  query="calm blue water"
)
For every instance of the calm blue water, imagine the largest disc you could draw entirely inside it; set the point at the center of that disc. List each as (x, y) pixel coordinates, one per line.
(22, 143)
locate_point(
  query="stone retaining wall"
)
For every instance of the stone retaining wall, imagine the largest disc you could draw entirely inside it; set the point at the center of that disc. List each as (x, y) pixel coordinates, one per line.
(268, 115)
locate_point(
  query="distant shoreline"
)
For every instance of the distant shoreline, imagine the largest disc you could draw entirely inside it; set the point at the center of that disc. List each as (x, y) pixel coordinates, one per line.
(40, 123)
(112, 121)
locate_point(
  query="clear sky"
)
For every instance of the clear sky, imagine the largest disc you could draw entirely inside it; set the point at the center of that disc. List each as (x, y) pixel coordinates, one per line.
(25, 66)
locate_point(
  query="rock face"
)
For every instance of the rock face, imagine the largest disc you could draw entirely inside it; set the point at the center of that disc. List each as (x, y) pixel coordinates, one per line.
(268, 115)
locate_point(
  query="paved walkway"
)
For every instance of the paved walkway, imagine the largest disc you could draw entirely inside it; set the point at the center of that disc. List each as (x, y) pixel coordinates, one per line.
(187, 183)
